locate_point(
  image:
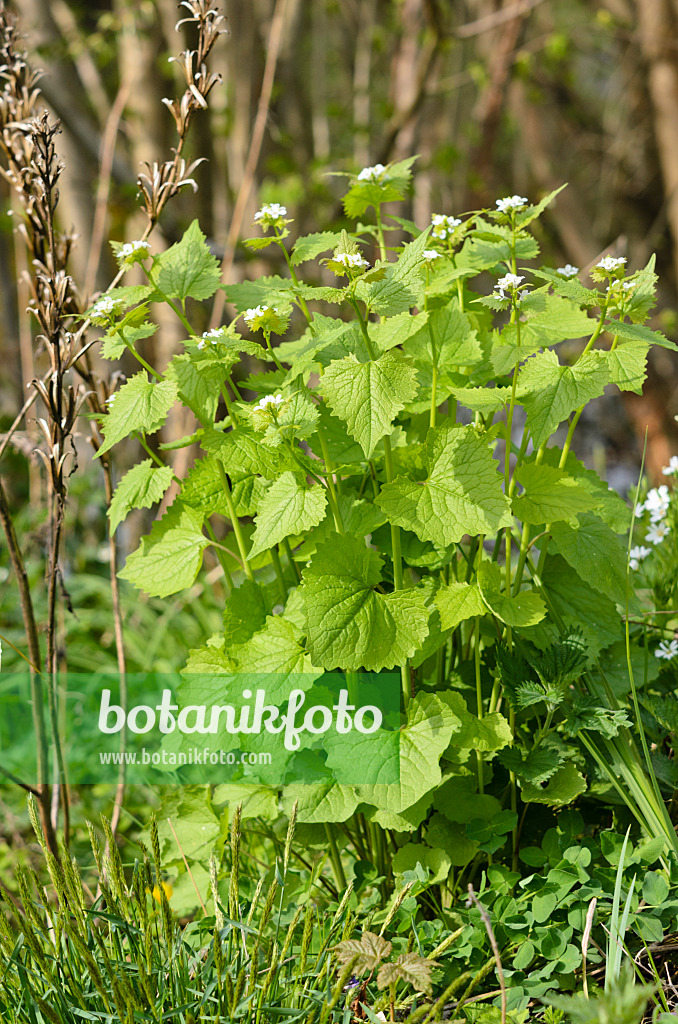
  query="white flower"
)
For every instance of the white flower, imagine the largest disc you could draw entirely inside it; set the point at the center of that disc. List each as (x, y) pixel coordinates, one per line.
(111, 398)
(672, 467)
(201, 345)
(568, 270)
(350, 259)
(638, 555)
(430, 254)
(130, 248)
(216, 333)
(667, 649)
(610, 263)
(251, 314)
(270, 213)
(442, 225)
(629, 285)
(657, 533)
(511, 203)
(508, 281)
(104, 307)
(268, 400)
(657, 503)
(639, 509)
(371, 173)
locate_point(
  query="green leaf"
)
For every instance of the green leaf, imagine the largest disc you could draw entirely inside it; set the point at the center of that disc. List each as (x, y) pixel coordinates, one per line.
(639, 333)
(436, 863)
(276, 652)
(242, 449)
(525, 609)
(203, 489)
(560, 320)
(586, 712)
(126, 333)
(368, 396)
(609, 506)
(483, 400)
(533, 212)
(538, 766)
(310, 246)
(462, 493)
(349, 624)
(327, 801)
(492, 732)
(168, 559)
(188, 269)
(398, 290)
(393, 185)
(140, 404)
(483, 250)
(563, 787)
(458, 800)
(655, 889)
(628, 366)
(550, 392)
(396, 330)
(287, 508)
(455, 339)
(198, 378)
(245, 613)
(141, 487)
(550, 494)
(595, 553)
(457, 602)
(266, 291)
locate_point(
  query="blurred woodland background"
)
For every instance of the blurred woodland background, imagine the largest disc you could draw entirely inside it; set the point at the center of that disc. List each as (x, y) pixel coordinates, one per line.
(497, 97)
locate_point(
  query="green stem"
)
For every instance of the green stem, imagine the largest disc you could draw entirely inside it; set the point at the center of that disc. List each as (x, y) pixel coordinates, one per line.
(335, 858)
(275, 558)
(295, 280)
(221, 554)
(235, 522)
(329, 476)
(479, 690)
(293, 565)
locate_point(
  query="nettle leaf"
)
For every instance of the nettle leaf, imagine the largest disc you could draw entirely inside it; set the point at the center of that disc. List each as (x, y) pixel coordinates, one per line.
(562, 788)
(462, 493)
(168, 559)
(525, 609)
(140, 404)
(457, 602)
(586, 712)
(595, 553)
(198, 379)
(550, 494)
(288, 507)
(368, 396)
(310, 246)
(538, 766)
(349, 624)
(188, 269)
(141, 487)
(397, 291)
(550, 392)
(628, 366)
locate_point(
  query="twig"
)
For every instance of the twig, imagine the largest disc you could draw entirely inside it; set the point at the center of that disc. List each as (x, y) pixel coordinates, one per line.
(272, 51)
(496, 19)
(190, 873)
(472, 898)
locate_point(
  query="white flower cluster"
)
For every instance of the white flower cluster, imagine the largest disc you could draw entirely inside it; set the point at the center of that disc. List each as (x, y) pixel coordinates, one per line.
(104, 307)
(672, 467)
(371, 173)
(611, 263)
(111, 398)
(638, 555)
(430, 254)
(211, 336)
(442, 225)
(267, 400)
(350, 259)
(511, 203)
(568, 270)
(667, 649)
(509, 281)
(251, 314)
(270, 213)
(657, 504)
(130, 248)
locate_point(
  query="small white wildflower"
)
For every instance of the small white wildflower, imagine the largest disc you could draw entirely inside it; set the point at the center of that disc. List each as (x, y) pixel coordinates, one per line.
(268, 400)
(371, 173)
(672, 467)
(511, 203)
(252, 314)
(442, 225)
(350, 259)
(216, 333)
(611, 263)
(657, 532)
(200, 345)
(629, 285)
(111, 398)
(270, 212)
(667, 649)
(508, 281)
(568, 270)
(638, 555)
(639, 509)
(104, 307)
(130, 248)
(657, 502)
(430, 254)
